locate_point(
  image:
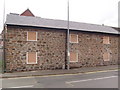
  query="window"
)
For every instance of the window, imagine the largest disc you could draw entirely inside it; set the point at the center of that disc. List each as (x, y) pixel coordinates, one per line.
(31, 57)
(73, 38)
(73, 57)
(106, 56)
(31, 36)
(106, 40)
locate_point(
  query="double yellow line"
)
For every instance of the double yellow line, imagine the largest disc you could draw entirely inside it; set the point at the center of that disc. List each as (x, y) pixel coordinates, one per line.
(69, 74)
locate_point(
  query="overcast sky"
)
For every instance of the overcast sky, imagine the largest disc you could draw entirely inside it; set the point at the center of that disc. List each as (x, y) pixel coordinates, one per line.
(87, 11)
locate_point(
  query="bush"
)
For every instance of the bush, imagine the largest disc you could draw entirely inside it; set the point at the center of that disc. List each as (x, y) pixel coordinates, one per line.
(0, 65)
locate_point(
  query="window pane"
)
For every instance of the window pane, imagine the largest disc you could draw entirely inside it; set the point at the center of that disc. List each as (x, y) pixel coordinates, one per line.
(74, 38)
(31, 35)
(106, 40)
(32, 58)
(73, 57)
(106, 56)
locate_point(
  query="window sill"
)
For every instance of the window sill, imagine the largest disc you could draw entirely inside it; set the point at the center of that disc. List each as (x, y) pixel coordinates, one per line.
(31, 63)
(31, 40)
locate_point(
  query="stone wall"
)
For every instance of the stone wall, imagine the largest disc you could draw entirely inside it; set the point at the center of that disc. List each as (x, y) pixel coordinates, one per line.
(51, 49)
(90, 49)
(50, 46)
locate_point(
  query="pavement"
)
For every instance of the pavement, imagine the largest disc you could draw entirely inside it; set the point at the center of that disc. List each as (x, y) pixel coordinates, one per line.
(59, 72)
(99, 79)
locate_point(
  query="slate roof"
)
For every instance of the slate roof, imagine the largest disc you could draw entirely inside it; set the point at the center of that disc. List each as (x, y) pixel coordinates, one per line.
(13, 19)
(117, 28)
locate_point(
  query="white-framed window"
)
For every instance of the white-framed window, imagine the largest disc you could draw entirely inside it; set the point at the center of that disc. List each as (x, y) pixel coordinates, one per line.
(106, 40)
(73, 38)
(73, 56)
(106, 56)
(31, 36)
(31, 58)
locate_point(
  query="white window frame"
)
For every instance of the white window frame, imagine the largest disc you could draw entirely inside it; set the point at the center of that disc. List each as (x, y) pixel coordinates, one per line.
(76, 57)
(106, 60)
(70, 38)
(109, 40)
(36, 35)
(27, 58)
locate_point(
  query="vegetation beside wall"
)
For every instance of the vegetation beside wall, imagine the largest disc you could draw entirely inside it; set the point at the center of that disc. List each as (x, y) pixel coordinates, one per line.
(0, 65)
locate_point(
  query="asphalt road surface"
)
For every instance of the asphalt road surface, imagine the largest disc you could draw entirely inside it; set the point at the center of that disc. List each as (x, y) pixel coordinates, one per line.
(107, 79)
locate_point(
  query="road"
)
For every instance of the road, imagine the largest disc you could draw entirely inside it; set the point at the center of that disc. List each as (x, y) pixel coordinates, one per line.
(107, 79)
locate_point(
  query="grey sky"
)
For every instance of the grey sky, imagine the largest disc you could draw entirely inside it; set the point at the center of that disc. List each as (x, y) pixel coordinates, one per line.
(88, 11)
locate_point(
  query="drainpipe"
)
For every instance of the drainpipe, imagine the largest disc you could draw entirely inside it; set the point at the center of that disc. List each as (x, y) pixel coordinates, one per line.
(4, 58)
(68, 46)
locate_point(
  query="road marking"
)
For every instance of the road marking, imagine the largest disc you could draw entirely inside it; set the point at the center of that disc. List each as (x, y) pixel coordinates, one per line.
(92, 72)
(22, 86)
(99, 71)
(70, 82)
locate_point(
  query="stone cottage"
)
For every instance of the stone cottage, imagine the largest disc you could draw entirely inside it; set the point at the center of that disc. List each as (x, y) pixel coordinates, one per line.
(35, 43)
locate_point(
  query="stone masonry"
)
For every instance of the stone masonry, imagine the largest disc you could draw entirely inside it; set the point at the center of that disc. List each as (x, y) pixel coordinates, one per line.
(51, 49)
(50, 46)
(90, 49)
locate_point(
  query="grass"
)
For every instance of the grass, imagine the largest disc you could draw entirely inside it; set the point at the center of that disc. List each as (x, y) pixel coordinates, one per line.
(0, 66)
